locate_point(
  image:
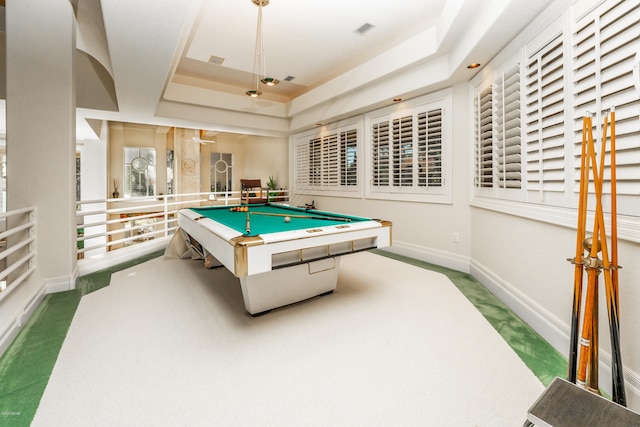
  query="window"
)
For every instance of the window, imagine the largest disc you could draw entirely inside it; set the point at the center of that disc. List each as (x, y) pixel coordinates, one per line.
(484, 137)
(327, 161)
(581, 64)
(3, 182)
(430, 148)
(170, 172)
(78, 186)
(544, 120)
(498, 130)
(380, 154)
(221, 172)
(507, 129)
(605, 43)
(139, 172)
(409, 151)
(349, 158)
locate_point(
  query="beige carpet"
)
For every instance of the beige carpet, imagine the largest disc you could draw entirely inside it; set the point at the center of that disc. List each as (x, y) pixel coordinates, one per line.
(169, 343)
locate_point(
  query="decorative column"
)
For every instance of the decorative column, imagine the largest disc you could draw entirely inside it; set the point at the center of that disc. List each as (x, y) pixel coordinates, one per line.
(41, 142)
(187, 152)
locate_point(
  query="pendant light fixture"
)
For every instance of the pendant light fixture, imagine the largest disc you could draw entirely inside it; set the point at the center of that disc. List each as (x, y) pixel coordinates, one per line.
(259, 61)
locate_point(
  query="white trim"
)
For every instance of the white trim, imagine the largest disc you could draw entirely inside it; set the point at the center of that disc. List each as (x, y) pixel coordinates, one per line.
(546, 324)
(109, 259)
(552, 329)
(442, 99)
(20, 318)
(430, 255)
(61, 284)
(628, 226)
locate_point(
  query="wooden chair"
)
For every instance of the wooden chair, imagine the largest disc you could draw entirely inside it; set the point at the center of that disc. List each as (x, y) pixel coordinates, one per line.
(252, 191)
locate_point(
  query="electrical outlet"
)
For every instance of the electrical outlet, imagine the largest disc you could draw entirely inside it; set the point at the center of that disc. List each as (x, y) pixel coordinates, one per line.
(456, 237)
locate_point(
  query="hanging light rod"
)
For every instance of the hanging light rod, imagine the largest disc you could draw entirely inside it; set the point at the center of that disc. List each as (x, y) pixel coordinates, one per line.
(259, 64)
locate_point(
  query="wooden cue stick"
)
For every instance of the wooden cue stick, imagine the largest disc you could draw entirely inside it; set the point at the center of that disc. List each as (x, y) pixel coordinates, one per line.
(579, 267)
(329, 218)
(617, 373)
(618, 392)
(614, 211)
(587, 328)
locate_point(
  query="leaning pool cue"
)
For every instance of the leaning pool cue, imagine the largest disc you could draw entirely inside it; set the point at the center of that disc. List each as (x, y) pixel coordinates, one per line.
(327, 218)
(617, 371)
(618, 392)
(588, 340)
(614, 211)
(588, 359)
(577, 260)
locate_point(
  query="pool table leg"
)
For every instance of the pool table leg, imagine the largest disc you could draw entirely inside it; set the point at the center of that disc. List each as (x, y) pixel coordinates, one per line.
(284, 286)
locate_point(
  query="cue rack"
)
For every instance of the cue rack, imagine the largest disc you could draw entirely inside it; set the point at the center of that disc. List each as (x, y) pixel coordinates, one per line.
(594, 256)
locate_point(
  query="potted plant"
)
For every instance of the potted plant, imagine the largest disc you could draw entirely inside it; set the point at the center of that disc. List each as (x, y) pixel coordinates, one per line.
(116, 184)
(272, 184)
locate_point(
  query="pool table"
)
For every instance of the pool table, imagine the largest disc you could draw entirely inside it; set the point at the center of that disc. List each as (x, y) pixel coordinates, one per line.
(281, 254)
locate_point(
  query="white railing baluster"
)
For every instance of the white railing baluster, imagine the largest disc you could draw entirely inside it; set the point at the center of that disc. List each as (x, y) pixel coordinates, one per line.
(17, 248)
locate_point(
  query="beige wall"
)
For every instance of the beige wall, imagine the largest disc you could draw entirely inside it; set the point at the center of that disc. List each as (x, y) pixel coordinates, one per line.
(253, 156)
(123, 135)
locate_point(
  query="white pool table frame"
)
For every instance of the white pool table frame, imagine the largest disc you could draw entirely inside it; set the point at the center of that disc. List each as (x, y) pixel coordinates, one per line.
(282, 268)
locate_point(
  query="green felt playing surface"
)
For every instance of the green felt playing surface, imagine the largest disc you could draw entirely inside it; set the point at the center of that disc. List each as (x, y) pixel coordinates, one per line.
(272, 222)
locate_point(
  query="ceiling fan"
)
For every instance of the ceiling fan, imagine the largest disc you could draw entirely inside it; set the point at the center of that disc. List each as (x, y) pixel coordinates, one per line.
(199, 137)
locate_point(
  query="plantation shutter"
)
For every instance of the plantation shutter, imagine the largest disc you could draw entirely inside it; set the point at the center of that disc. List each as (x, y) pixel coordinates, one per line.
(605, 43)
(484, 138)
(544, 116)
(380, 154)
(507, 133)
(403, 151)
(303, 165)
(330, 160)
(429, 148)
(348, 157)
(315, 162)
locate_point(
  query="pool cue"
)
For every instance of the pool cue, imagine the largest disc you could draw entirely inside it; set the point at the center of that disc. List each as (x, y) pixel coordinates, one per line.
(248, 224)
(618, 392)
(577, 260)
(328, 218)
(617, 372)
(614, 211)
(588, 340)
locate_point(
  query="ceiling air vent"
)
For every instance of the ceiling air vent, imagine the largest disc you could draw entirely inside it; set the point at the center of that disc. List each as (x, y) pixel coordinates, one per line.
(364, 28)
(288, 78)
(216, 60)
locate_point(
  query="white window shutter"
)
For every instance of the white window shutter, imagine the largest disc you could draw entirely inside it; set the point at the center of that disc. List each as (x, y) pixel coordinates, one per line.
(507, 129)
(544, 117)
(380, 153)
(605, 43)
(484, 137)
(349, 158)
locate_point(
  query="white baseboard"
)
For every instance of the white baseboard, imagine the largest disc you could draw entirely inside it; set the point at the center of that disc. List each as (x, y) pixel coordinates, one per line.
(61, 284)
(22, 315)
(112, 258)
(442, 258)
(552, 329)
